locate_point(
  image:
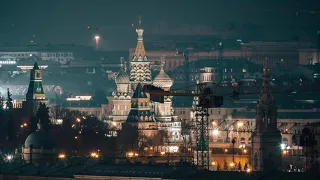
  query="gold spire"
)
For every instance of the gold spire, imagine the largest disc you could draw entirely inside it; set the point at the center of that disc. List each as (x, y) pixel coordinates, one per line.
(140, 52)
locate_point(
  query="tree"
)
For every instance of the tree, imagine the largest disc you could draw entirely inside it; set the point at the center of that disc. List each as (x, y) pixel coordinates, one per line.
(186, 134)
(245, 166)
(100, 97)
(225, 166)
(1, 109)
(218, 168)
(127, 139)
(239, 166)
(9, 106)
(42, 114)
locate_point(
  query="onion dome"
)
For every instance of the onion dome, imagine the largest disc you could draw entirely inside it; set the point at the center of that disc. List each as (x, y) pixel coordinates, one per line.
(39, 139)
(162, 80)
(122, 77)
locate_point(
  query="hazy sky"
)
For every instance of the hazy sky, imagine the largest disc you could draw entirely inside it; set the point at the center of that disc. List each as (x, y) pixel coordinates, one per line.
(66, 21)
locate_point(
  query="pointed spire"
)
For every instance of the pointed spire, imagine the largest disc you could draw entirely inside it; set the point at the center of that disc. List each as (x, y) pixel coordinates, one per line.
(40, 126)
(266, 93)
(140, 52)
(35, 66)
(125, 66)
(140, 21)
(265, 67)
(162, 63)
(121, 63)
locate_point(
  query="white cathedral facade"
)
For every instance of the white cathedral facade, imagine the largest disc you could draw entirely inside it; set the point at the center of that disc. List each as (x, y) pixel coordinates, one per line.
(131, 104)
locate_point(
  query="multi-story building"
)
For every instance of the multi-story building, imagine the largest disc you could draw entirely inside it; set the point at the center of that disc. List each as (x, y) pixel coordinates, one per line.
(59, 56)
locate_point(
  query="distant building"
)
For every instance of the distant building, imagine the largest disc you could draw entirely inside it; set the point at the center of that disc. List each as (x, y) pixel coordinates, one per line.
(39, 147)
(61, 57)
(284, 54)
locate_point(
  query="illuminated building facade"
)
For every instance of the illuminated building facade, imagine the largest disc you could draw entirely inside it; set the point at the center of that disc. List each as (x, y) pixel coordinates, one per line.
(121, 101)
(61, 57)
(134, 106)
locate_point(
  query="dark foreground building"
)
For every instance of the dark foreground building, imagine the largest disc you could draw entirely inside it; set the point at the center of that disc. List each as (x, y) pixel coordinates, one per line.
(88, 171)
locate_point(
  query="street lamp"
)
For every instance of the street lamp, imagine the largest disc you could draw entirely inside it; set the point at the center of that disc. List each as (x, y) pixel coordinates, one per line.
(97, 38)
(215, 132)
(94, 155)
(9, 158)
(233, 142)
(61, 156)
(240, 124)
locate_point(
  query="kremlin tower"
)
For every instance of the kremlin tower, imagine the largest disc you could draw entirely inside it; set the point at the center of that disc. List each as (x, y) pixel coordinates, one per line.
(35, 94)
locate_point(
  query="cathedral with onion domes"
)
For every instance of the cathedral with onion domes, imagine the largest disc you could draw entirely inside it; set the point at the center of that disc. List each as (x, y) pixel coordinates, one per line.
(132, 105)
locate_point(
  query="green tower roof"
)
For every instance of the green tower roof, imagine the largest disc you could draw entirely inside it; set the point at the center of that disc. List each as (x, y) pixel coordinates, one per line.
(139, 93)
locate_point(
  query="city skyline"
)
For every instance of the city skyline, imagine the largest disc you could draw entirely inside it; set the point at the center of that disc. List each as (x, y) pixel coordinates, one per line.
(67, 21)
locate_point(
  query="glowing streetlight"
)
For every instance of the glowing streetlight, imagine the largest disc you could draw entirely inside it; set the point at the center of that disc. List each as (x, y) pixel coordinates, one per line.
(232, 164)
(9, 157)
(240, 124)
(76, 137)
(61, 156)
(78, 120)
(245, 151)
(94, 155)
(248, 170)
(97, 38)
(215, 132)
(213, 163)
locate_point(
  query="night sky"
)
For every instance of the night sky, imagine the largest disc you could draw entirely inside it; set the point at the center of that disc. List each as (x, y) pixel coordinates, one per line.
(66, 21)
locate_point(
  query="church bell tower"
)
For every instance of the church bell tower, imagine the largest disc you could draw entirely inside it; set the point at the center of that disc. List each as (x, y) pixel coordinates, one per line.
(266, 139)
